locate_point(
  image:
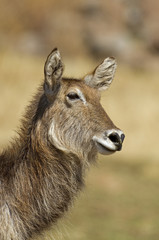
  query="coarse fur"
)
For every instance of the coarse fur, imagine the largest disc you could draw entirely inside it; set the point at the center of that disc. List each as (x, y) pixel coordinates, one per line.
(43, 169)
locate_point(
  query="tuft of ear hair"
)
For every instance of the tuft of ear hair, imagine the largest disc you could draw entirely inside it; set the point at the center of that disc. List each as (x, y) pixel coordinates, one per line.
(102, 76)
(53, 71)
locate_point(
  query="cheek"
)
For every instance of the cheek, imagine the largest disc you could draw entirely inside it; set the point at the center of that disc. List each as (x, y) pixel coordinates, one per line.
(70, 134)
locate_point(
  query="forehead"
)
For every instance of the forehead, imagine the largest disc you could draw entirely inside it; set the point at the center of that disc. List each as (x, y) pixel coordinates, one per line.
(73, 84)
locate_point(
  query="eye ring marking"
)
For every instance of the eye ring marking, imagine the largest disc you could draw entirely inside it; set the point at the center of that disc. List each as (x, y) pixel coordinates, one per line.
(73, 96)
(76, 95)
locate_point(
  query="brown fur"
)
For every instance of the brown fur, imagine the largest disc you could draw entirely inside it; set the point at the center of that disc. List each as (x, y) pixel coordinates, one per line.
(38, 179)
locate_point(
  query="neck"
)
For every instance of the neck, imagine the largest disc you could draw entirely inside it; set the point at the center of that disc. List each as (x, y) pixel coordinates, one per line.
(38, 186)
(38, 181)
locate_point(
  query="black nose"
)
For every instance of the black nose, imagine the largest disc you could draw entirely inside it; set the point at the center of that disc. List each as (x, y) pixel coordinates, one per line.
(117, 139)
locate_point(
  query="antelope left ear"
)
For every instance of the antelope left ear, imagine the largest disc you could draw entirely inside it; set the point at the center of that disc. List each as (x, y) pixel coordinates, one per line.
(102, 76)
(53, 71)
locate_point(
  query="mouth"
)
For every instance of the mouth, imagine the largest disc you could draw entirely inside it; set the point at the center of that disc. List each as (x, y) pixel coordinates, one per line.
(105, 147)
(103, 150)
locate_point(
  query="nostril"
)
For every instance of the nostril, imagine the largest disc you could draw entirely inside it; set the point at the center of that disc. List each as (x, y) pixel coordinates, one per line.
(122, 137)
(114, 137)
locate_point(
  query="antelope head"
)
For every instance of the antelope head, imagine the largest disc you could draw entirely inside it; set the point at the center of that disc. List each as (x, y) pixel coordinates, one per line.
(77, 123)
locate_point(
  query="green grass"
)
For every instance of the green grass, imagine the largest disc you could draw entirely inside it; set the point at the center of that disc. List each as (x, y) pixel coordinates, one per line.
(120, 202)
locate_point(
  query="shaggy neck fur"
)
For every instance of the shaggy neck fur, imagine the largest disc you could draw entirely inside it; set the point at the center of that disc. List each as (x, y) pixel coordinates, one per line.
(38, 181)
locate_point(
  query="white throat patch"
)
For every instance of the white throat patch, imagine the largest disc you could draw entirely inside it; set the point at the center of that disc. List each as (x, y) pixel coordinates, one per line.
(55, 139)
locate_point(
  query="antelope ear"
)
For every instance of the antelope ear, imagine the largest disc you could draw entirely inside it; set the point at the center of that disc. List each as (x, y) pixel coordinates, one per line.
(53, 71)
(102, 76)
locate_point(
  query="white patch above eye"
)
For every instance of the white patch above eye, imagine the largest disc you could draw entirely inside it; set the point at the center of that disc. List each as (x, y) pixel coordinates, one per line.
(81, 96)
(75, 95)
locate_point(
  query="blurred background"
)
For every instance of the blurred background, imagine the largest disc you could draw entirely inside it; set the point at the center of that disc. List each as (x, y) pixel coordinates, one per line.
(121, 199)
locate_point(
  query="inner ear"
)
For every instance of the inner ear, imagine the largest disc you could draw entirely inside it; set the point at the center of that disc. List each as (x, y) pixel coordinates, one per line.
(102, 76)
(53, 71)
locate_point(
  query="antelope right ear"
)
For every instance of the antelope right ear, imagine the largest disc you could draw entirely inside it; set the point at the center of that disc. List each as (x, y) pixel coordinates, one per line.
(102, 76)
(53, 71)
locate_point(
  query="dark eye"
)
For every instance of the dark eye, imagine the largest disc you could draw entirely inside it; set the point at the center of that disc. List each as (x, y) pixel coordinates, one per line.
(73, 96)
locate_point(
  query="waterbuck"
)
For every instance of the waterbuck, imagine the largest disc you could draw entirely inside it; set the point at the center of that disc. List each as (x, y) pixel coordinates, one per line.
(61, 133)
